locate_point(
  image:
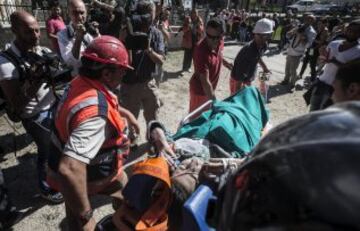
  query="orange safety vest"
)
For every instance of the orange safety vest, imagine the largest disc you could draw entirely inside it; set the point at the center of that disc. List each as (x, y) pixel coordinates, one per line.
(87, 98)
(155, 218)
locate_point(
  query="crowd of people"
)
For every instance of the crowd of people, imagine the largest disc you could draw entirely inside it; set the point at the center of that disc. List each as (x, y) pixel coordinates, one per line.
(94, 122)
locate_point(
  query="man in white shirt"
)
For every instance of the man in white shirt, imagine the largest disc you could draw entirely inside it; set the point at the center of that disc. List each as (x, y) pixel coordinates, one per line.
(339, 52)
(300, 38)
(28, 100)
(74, 39)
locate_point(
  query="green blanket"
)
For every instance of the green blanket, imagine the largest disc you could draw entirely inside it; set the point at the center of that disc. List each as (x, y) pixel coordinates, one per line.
(234, 124)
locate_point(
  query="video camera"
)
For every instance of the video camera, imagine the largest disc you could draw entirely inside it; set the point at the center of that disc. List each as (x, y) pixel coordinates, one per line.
(46, 68)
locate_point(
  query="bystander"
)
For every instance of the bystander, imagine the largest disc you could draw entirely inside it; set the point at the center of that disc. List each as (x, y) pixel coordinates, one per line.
(54, 24)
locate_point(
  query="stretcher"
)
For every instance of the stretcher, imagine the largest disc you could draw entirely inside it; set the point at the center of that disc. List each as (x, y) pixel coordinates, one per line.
(185, 174)
(235, 124)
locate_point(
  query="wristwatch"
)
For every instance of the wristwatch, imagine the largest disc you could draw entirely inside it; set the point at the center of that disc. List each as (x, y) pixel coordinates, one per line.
(86, 216)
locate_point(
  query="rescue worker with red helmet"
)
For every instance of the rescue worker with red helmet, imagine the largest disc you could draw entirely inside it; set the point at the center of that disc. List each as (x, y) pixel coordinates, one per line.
(89, 141)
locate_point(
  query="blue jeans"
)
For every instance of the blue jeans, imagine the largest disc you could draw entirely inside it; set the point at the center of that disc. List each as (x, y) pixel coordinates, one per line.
(39, 129)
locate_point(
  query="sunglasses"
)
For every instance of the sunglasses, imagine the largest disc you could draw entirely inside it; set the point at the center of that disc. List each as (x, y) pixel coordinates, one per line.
(213, 37)
(266, 36)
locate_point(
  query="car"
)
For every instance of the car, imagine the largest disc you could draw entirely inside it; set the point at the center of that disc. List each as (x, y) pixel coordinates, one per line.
(341, 10)
(301, 6)
(323, 8)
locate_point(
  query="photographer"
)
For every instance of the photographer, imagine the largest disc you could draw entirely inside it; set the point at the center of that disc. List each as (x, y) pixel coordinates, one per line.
(114, 25)
(74, 38)
(28, 100)
(339, 52)
(313, 52)
(300, 38)
(139, 87)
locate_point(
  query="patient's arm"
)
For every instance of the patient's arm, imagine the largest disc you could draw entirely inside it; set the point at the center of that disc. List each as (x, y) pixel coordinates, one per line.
(159, 141)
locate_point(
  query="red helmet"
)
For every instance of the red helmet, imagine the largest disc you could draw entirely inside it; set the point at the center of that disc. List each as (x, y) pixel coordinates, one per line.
(107, 50)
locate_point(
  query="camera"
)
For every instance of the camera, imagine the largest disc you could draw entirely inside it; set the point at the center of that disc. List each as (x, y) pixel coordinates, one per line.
(46, 68)
(301, 29)
(91, 28)
(137, 40)
(137, 19)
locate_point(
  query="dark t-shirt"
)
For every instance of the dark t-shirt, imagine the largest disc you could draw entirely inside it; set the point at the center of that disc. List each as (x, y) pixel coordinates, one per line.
(143, 65)
(246, 61)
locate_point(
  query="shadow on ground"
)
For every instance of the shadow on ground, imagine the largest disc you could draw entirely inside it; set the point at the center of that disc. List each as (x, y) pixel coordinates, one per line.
(11, 143)
(171, 75)
(277, 90)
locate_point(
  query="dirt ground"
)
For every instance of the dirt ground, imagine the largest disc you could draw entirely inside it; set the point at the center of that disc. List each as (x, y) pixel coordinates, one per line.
(20, 167)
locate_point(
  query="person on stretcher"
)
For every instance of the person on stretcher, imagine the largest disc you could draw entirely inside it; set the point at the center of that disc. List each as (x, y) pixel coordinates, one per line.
(154, 195)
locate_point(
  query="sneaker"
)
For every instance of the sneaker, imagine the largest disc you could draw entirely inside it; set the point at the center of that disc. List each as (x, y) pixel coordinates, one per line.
(284, 82)
(52, 196)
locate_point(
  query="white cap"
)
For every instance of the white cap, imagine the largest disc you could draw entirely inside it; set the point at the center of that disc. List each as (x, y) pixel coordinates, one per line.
(263, 26)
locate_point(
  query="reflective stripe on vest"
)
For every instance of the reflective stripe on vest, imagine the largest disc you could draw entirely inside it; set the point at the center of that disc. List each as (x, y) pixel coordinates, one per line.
(86, 103)
(84, 99)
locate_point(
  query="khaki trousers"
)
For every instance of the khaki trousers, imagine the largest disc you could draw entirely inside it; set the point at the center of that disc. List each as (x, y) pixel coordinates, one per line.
(145, 95)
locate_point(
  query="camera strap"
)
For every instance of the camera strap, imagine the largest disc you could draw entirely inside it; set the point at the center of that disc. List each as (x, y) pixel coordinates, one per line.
(19, 62)
(20, 66)
(142, 56)
(16, 61)
(140, 63)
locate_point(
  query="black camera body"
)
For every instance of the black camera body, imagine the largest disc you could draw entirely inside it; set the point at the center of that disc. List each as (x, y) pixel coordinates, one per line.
(136, 21)
(136, 39)
(301, 29)
(46, 68)
(91, 29)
